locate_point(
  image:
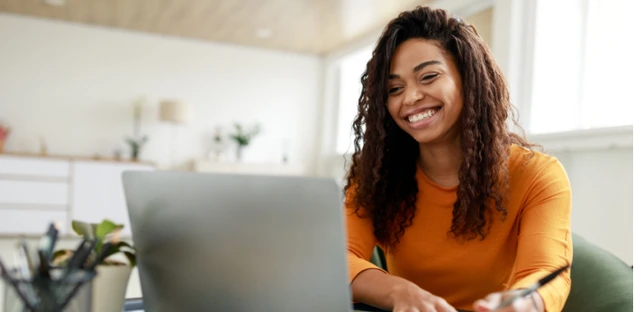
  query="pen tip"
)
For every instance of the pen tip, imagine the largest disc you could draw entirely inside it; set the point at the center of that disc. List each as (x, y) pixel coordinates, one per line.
(552, 275)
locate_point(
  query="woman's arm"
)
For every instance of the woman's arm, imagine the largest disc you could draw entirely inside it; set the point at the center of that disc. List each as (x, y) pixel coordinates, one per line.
(372, 285)
(545, 242)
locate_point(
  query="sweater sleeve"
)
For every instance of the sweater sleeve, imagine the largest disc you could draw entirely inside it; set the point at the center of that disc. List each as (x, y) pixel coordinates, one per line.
(544, 242)
(361, 240)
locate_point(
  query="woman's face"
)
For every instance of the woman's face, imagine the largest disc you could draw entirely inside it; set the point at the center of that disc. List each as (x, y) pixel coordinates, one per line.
(424, 92)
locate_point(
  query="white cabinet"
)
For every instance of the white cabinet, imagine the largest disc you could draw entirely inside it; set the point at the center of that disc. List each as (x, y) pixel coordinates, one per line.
(35, 191)
(28, 221)
(98, 192)
(39, 168)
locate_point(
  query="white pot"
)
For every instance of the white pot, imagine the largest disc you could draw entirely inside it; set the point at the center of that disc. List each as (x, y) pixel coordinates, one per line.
(109, 288)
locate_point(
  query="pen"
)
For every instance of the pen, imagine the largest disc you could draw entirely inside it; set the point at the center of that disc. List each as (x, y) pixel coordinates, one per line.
(527, 291)
(5, 273)
(106, 250)
(84, 256)
(79, 255)
(24, 260)
(48, 241)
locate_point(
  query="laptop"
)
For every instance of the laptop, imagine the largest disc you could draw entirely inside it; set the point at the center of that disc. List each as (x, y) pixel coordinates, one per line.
(216, 242)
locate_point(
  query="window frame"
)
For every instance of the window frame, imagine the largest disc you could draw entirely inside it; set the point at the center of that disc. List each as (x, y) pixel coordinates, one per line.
(513, 47)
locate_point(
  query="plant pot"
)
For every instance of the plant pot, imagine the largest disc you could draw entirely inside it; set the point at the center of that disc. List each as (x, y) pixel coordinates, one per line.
(109, 288)
(1, 146)
(240, 152)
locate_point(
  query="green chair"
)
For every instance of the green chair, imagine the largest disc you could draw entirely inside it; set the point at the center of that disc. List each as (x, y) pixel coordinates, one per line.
(600, 281)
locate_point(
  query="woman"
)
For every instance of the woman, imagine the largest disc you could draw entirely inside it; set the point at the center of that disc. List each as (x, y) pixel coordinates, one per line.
(464, 209)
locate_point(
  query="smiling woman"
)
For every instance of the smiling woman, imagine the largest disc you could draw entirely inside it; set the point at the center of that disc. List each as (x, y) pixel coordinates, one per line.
(466, 212)
(438, 100)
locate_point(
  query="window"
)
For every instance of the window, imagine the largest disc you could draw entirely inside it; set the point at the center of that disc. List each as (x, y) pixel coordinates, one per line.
(581, 65)
(351, 68)
(579, 69)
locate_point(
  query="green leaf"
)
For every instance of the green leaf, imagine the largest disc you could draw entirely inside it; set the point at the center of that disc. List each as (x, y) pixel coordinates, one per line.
(87, 230)
(112, 251)
(124, 248)
(61, 253)
(106, 227)
(125, 245)
(131, 257)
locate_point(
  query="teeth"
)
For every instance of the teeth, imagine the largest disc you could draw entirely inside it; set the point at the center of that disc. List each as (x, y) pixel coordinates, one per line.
(426, 114)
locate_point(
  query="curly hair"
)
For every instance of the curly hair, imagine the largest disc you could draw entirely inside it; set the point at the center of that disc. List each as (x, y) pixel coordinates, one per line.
(382, 177)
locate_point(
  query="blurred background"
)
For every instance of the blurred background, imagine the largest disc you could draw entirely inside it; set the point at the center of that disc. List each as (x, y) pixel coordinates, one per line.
(91, 88)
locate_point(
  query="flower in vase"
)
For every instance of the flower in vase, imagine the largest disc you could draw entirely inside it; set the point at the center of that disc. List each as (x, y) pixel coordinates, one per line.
(4, 132)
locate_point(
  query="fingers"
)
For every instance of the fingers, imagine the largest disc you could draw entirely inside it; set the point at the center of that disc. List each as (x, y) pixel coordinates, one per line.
(521, 304)
(488, 304)
(423, 308)
(443, 306)
(493, 300)
(437, 305)
(406, 310)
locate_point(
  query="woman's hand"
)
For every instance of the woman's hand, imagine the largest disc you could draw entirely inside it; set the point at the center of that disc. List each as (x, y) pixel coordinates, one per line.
(531, 303)
(408, 297)
(385, 291)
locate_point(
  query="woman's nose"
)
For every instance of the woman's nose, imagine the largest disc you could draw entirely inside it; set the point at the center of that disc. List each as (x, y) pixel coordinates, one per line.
(412, 95)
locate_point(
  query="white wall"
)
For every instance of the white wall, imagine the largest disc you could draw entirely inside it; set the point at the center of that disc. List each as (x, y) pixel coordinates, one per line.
(75, 84)
(601, 182)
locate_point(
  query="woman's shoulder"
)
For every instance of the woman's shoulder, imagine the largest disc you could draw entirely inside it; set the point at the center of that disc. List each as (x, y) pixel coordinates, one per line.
(528, 166)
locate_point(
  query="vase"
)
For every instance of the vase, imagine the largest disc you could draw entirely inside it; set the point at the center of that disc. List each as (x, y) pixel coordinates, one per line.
(109, 288)
(1, 146)
(239, 152)
(134, 154)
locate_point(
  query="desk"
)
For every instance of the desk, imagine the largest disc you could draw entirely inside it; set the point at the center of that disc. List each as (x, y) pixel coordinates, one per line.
(367, 308)
(136, 305)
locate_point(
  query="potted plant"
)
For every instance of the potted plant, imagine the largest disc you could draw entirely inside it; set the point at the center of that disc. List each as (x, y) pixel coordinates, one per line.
(136, 143)
(4, 133)
(137, 140)
(113, 274)
(243, 137)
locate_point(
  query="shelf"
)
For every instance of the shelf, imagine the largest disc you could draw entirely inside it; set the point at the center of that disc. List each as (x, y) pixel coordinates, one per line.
(249, 168)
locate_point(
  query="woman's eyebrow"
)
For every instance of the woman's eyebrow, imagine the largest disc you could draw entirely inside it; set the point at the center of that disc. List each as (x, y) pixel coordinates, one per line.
(416, 68)
(424, 64)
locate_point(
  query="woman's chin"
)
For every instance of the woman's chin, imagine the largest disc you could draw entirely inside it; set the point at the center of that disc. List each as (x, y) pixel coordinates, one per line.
(425, 140)
(431, 137)
(425, 136)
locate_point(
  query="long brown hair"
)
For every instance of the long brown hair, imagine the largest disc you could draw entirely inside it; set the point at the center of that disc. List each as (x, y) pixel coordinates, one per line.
(382, 179)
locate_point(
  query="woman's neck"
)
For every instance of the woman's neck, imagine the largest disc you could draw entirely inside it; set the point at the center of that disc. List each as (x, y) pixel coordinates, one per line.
(441, 162)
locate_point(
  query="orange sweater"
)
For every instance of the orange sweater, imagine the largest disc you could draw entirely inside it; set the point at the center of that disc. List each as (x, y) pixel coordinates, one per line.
(533, 241)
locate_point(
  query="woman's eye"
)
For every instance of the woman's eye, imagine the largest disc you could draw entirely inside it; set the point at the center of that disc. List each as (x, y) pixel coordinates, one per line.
(429, 77)
(393, 90)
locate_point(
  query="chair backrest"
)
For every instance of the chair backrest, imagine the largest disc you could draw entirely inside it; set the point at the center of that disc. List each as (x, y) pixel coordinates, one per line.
(600, 280)
(378, 258)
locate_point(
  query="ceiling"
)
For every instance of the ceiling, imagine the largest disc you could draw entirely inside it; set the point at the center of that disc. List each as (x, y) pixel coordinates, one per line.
(304, 26)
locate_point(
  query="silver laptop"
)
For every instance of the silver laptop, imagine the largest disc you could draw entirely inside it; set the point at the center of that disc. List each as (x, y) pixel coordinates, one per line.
(208, 242)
